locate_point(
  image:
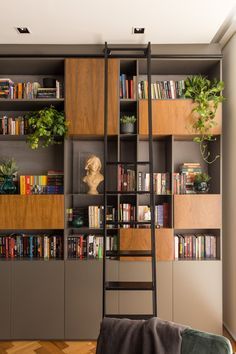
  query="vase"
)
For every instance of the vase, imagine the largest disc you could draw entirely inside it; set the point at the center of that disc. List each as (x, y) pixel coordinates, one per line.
(202, 187)
(127, 128)
(78, 222)
(8, 186)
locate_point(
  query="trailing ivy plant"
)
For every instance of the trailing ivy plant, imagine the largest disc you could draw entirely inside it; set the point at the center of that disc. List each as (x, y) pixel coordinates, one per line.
(207, 96)
(46, 127)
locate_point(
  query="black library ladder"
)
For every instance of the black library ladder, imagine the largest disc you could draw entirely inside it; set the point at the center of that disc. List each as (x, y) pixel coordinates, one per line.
(144, 52)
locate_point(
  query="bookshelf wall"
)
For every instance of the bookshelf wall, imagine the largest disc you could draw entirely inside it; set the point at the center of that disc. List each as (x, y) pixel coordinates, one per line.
(77, 310)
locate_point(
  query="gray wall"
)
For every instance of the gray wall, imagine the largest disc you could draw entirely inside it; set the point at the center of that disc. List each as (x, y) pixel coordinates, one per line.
(229, 190)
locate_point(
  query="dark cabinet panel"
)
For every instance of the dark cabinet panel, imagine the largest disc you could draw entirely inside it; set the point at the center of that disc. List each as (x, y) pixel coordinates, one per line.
(38, 300)
(5, 300)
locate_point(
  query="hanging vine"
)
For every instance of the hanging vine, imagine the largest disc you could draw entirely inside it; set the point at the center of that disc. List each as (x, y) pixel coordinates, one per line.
(207, 96)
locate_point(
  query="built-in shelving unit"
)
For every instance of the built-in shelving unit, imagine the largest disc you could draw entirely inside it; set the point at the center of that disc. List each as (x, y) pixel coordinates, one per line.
(72, 287)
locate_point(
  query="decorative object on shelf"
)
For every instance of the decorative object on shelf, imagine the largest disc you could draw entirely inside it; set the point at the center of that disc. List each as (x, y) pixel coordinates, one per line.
(78, 221)
(207, 96)
(47, 124)
(8, 169)
(127, 124)
(201, 183)
(94, 177)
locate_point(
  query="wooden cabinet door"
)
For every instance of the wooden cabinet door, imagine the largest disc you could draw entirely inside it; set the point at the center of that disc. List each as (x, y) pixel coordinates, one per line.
(5, 300)
(38, 300)
(84, 96)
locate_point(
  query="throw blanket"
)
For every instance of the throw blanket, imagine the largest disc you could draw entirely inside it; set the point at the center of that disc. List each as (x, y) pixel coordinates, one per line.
(153, 336)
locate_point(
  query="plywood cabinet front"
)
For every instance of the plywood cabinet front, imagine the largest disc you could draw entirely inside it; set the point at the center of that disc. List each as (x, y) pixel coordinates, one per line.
(172, 117)
(84, 96)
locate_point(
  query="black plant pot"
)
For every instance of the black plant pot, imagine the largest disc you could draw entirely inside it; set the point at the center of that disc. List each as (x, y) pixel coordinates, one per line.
(202, 187)
(127, 128)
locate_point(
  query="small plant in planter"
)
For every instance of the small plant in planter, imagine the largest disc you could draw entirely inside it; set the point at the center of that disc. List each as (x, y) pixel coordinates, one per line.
(47, 126)
(207, 96)
(201, 183)
(8, 169)
(127, 124)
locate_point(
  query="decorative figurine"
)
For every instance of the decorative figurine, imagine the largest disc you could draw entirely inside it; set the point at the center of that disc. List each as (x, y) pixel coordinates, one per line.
(94, 177)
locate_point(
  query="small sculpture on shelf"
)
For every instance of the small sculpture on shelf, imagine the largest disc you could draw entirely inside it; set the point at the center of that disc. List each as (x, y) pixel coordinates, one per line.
(94, 177)
(8, 170)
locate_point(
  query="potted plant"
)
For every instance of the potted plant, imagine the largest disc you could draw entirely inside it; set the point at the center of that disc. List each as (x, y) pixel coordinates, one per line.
(127, 123)
(7, 170)
(207, 96)
(46, 126)
(201, 183)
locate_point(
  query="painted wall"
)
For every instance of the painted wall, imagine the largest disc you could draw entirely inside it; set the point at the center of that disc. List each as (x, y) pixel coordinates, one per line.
(229, 187)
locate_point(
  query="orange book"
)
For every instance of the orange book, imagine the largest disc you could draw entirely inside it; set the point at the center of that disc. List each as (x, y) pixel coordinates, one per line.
(19, 90)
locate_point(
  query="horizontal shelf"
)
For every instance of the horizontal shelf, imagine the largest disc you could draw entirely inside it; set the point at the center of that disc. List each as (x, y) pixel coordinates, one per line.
(8, 137)
(128, 163)
(126, 100)
(140, 253)
(131, 317)
(127, 285)
(30, 259)
(27, 104)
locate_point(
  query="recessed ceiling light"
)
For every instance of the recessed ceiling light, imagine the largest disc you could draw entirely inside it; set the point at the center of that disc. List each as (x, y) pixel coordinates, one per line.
(22, 30)
(138, 30)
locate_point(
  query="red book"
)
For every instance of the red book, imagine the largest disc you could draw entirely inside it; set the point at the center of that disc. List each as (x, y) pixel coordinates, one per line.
(131, 89)
(12, 247)
(165, 214)
(27, 185)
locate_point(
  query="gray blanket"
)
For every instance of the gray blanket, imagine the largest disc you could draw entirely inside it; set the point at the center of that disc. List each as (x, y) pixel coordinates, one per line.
(153, 336)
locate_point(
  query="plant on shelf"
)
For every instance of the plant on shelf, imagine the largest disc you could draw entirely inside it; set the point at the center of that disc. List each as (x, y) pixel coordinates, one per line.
(127, 123)
(201, 183)
(47, 126)
(207, 96)
(8, 169)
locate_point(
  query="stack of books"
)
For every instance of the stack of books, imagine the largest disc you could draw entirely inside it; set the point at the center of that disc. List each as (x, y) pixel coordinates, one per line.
(128, 86)
(13, 126)
(126, 179)
(161, 214)
(161, 182)
(184, 181)
(31, 246)
(162, 89)
(6, 87)
(195, 246)
(55, 182)
(127, 213)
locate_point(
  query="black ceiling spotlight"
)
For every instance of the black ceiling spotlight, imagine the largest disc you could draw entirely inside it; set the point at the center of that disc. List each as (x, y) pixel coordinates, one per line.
(138, 30)
(22, 30)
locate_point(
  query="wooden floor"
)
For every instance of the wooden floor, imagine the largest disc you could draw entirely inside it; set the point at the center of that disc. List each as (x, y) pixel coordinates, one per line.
(59, 347)
(44, 347)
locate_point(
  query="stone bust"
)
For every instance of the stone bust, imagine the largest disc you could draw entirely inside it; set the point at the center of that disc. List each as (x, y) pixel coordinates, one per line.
(93, 177)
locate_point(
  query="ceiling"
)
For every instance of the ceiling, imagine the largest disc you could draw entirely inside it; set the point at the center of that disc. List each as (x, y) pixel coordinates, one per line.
(97, 21)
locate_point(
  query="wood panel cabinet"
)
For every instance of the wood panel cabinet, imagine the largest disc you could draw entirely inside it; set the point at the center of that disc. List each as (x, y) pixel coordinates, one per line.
(84, 96)
(32, 212)
(197, 294)
(140, 239)
(5, 300)
(172, 117)
(38, 300)
(200, 211)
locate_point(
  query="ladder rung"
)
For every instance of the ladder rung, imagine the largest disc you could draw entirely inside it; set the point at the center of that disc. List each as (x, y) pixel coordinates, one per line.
(131, 317)
(129, 253)
(127, 192)
(128, 222)
(129, 285)
(122, 49)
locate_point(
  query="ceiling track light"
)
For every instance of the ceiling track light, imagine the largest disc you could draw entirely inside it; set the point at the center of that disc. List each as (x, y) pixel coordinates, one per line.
(23, 30)
(138, 30)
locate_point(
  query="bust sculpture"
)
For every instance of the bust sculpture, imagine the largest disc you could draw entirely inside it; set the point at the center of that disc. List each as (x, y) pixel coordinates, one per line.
(93, 177)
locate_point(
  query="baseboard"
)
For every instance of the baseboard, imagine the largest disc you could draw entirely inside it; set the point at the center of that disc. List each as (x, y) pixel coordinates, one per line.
(230, 332)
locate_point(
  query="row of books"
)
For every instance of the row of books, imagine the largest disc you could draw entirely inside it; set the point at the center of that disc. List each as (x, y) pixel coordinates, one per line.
(161, 182)
(28, 90)
(52, 183)
(31, 246)
(13, 126)
(162, 89)
(128, 86)
(96, 217)
(126, 179)
(184, 180)
(89, 246)
(161, 214)
(195, 246)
